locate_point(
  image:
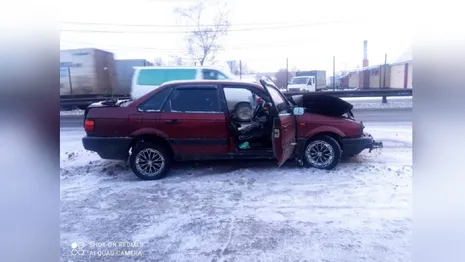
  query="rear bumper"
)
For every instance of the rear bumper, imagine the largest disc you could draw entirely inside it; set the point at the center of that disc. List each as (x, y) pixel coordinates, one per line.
(115, 148)
(354, 146)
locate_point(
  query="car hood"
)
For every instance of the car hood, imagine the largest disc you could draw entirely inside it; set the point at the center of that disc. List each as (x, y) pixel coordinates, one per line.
(322, 104)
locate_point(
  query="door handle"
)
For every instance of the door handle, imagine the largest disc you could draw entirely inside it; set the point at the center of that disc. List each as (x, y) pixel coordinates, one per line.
(172, 121)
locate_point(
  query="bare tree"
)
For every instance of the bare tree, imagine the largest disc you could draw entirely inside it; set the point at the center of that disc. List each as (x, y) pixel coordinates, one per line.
(281, 80)
(242, 67)
(158, 61)
(203, 38)
(175, 60)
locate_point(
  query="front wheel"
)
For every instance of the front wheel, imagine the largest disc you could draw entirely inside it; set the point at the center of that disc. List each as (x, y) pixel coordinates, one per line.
(322, 152)
(149, 161)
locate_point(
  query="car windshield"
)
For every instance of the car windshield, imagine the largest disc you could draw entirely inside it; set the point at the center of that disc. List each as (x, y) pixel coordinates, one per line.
(299, 80)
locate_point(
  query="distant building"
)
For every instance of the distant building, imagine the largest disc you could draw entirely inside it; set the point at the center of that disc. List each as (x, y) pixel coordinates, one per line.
(376, 76)
(124, 72)
(402, 71)
(86, 71)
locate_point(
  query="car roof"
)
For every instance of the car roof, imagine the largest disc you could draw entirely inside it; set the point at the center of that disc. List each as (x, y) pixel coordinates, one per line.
(217, 82)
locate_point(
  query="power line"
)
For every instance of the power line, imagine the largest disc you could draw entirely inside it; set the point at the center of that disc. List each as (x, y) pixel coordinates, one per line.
(164, 25)
(181, 49)
(186, 32)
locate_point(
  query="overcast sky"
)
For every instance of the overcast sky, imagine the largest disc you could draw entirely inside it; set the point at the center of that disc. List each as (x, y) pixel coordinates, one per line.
(309, 33)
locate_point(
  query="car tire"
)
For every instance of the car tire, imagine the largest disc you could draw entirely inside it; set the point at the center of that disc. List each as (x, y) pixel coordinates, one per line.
(243, 107)
(322, 152)
(146, 157)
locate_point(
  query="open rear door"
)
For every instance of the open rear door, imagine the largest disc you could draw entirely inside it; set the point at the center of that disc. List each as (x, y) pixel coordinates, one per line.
(284, 124)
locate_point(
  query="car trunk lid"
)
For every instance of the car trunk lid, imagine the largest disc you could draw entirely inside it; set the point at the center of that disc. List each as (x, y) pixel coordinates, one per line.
(104, 104)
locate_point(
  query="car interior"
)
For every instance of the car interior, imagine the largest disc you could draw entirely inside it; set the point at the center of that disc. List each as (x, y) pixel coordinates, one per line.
(256, 133)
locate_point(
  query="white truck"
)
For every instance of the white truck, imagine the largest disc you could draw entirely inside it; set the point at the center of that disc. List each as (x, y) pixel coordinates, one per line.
(302, 84)
(308, 81)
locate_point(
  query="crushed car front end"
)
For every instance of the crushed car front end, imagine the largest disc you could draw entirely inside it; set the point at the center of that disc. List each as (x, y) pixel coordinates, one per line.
(355, 145)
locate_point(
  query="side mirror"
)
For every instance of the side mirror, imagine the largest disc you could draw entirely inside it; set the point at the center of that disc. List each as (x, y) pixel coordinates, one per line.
(298, 111)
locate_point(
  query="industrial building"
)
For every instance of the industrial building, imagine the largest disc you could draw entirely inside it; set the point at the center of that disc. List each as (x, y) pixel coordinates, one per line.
(402, 71)
(87, 71)
(394, 75)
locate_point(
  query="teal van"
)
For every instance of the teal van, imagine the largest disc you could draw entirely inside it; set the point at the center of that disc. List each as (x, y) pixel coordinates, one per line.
(148, 78)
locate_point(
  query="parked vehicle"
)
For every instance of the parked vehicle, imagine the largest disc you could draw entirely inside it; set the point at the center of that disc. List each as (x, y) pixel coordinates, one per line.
(190, 120)
(310, 81)
(148, 78)
(302, 84)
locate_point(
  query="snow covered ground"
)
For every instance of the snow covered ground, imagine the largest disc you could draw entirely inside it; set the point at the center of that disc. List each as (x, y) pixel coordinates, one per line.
(241, 211)
(358, 102)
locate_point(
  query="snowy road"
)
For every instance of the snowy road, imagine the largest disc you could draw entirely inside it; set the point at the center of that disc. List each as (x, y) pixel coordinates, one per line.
(240, 211)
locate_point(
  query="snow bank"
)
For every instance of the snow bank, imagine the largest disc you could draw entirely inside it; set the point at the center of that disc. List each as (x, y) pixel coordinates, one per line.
(246, 210)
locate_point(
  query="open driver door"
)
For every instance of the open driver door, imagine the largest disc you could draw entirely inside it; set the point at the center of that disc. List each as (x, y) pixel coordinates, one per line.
(284, 124)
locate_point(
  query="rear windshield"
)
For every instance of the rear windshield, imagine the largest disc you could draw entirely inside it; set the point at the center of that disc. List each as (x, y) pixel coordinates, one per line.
(160, 76)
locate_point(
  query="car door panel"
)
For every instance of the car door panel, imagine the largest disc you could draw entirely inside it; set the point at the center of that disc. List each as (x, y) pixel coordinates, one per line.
(195, 132)
(284, 125)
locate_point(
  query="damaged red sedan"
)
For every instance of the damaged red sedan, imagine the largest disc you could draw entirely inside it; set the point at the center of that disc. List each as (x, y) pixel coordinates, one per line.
(200, 120)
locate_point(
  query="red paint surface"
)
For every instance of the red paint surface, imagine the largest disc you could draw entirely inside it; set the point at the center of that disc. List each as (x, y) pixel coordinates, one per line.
(129, 122)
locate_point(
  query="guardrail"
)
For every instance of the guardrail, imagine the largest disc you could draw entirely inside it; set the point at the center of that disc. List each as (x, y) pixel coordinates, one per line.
(362, 93)
(82, 101)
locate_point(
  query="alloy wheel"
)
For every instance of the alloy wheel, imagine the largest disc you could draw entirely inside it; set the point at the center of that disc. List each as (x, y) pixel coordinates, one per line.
(319, 153)
(150, 162)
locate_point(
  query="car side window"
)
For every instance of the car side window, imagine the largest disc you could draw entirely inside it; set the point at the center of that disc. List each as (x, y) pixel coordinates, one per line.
(155, 103)
(195, 99)
(209, 74)
(220, 76)
(281, 104)
(237, 95)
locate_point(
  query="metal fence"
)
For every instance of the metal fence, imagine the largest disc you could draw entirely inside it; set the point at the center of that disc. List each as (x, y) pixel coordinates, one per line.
(84, 101)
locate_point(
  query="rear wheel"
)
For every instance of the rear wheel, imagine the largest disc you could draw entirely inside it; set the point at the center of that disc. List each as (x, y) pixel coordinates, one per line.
(150, 161)
(322, 152)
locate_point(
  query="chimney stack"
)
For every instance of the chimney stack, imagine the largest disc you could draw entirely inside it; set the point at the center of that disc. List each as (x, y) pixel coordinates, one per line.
(365, 53)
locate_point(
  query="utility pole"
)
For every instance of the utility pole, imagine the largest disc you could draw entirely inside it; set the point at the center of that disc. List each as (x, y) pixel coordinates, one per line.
(384, 73)
(334, 73)
(287, 71)
(384, 101)
(70, 84)
(240, 69)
